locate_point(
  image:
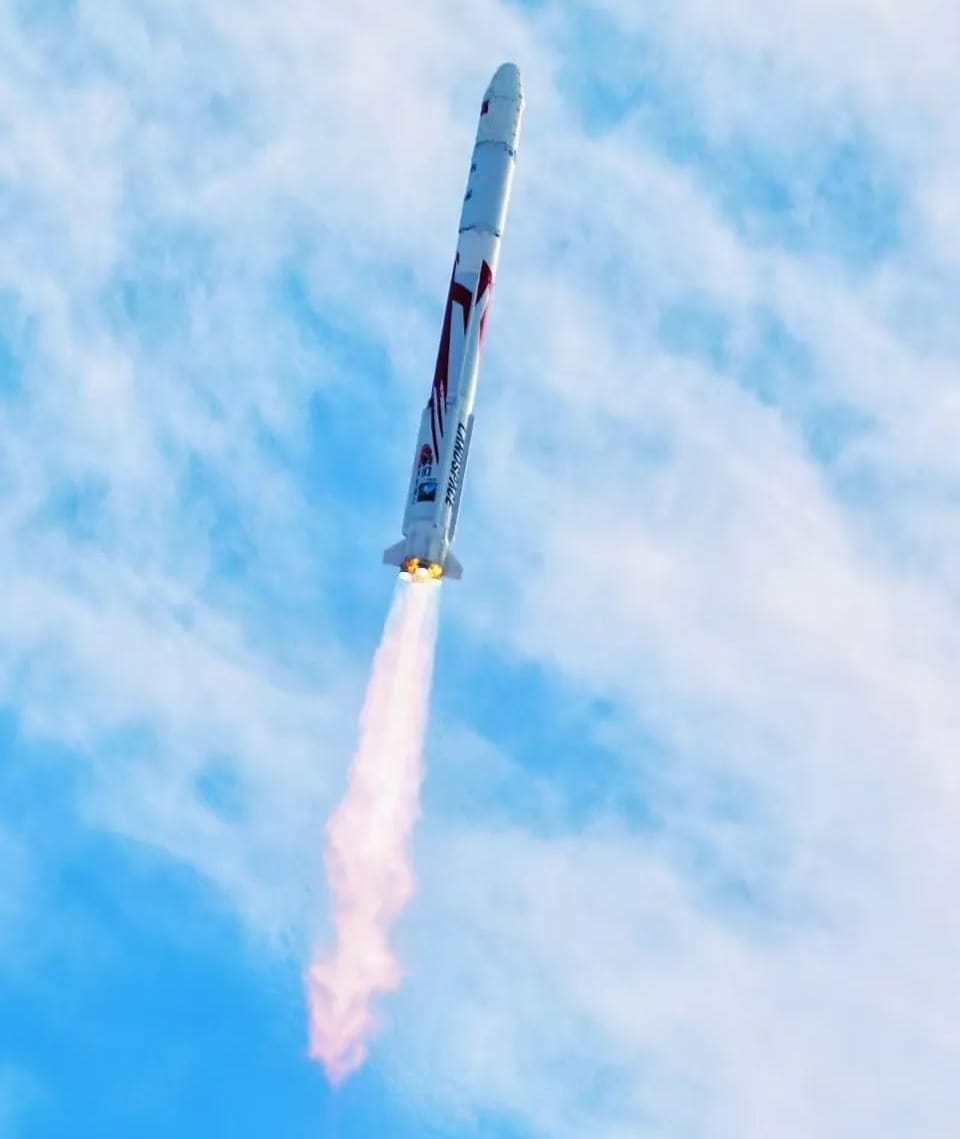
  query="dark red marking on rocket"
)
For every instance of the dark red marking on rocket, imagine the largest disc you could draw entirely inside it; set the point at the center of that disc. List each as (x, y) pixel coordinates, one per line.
(460, 296)
(485, 282)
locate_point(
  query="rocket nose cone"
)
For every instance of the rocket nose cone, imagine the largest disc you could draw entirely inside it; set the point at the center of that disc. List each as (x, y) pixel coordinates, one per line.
(505, 83)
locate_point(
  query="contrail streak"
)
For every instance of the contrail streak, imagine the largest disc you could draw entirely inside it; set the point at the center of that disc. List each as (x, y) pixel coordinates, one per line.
(367, 856)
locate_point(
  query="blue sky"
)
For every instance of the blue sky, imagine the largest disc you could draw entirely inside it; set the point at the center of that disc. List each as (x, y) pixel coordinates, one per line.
(689, 843)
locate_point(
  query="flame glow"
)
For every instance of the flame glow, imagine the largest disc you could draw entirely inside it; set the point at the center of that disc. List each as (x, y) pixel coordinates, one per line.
(367, 857)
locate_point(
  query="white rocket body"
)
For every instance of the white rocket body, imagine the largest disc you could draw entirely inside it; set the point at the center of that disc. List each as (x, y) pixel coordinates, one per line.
(440, 458)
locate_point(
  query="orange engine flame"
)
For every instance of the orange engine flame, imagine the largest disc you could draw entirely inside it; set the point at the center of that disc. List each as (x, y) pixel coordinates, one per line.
(416, 570)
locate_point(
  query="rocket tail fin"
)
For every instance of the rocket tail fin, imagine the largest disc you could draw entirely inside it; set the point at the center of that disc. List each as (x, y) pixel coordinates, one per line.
(396, 555)
(452, 568)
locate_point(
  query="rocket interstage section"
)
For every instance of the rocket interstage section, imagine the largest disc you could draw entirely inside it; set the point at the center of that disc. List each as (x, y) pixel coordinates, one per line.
(446, 426)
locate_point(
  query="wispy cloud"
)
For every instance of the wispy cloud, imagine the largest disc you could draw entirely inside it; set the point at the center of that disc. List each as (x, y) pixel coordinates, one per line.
(709, 529)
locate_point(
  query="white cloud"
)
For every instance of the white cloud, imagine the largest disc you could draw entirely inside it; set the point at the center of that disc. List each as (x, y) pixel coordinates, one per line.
(642, 525)
(604, 994)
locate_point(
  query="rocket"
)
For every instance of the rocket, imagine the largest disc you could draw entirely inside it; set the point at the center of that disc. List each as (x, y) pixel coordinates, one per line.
(446, 426)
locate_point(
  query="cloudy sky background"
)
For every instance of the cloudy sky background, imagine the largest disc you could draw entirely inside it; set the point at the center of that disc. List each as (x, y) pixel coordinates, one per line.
(689, 856)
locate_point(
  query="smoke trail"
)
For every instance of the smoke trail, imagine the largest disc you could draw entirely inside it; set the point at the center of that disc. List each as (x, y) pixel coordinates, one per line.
(367, 857)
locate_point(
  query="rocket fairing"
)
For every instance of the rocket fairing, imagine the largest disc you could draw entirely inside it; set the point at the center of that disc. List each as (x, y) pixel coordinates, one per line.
(446, 426)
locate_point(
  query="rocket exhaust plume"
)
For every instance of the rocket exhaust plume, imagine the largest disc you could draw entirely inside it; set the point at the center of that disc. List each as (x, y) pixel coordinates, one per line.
(367, 860)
